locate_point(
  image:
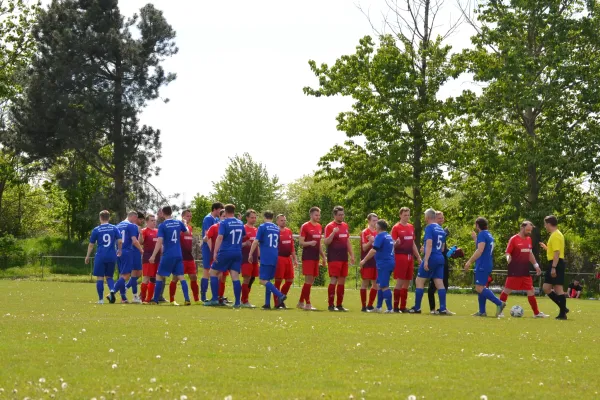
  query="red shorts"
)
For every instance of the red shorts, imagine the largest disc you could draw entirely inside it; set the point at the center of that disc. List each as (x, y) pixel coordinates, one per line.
(250, 270)
(369, 273)
(519, 283)
(285, 268)
(310, 267)
(405, 267)
(150, 270)
(338, 269)
(189, 267)
(225, 274)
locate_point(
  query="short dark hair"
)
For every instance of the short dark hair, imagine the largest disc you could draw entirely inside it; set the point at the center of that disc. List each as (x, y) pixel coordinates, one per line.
(141, 215)
(167, 210)
(371, 216)
(149, 216)
(187, 210)
(104, 216)
(268, 214)
(249, 212)
(314, 209)
(337, 209)
(217, 206)
(229, 208)
(481, 223)
(551, 220)
(404, 209)
(382, 224)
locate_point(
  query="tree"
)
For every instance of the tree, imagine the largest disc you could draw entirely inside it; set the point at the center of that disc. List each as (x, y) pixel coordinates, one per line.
(397, 138)
(247, 184)
(89, 81)
(200, 207)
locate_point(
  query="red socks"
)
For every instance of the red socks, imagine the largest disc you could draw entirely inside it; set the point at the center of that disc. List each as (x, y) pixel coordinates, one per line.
(143, 291)
(305, 294)
(195, 290)
(277, 284)
(221, 289)
(503, 297)
(331, 294)
(372, 297)
(286, 288)
(533, 304)
(396, 298)
(245, 293)
(150, 293)
(172, 290)
(363, 297)
(340, 294)
(403, 298)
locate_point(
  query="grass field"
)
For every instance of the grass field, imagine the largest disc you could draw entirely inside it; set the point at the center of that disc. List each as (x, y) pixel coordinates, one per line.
(53, 335)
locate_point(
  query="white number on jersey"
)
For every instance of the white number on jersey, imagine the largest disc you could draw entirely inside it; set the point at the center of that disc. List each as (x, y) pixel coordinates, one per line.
(106, 239)
(492, 248)
(235, 232)
(123, 235)
(439, 243)
(174, 237)
(273, 240)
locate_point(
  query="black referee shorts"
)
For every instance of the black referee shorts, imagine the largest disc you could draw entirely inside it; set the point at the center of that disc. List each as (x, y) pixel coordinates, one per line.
(560, 273)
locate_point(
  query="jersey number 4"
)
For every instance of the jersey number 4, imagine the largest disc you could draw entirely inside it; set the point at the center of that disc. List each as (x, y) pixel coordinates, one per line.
(174, 237)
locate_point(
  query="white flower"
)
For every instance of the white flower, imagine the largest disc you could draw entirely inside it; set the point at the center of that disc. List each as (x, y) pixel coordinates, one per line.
(114, 366)
(83, 330)
(111, 350)
(230, 397)
(483, 397)
(193, 388)
(412, 397)
(64, 385)
(42, 380)
(158, 356)
(74, 339)
(183, 397)
(153, 380)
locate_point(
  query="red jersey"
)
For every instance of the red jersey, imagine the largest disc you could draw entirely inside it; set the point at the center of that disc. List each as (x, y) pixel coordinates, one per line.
(212, 234)
(286, 242)
(150, 237)
(186, 242)
(311, 232)
(519, 249)
(250, 236)
(338, 248)
(364, 239)
(406, 234)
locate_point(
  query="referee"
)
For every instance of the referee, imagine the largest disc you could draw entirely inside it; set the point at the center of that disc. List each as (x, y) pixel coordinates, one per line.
(554, 278)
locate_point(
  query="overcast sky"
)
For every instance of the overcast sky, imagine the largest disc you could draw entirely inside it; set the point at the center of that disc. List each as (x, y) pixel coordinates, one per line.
(241, 68)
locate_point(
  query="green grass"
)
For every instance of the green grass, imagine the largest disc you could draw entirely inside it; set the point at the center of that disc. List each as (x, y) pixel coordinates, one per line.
(253, 354)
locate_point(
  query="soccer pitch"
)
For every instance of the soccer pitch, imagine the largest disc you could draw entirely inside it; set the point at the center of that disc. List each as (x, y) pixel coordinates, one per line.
(56, 343)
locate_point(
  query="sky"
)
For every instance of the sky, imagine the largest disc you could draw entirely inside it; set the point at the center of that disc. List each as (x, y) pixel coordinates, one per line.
(241, 68)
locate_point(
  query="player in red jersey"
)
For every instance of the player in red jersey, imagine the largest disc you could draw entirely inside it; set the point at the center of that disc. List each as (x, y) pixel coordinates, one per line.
(368, 271)
(249, 270)
(337, 241)
(403, 234)
(287, 260)
(148, 239)
(190, 269)
(519, 256)
(310, 240)
(211, 238)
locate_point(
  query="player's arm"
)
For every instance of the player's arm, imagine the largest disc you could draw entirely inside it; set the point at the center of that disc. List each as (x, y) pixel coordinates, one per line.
(350, 251)
(141, 239)
(428, 245)
(157, 248)
(136, 244)
(304, 242)
(476, 255)
(369, 255)
(253, 248)
(218, 244)
(533, 261)
(416, 252)
(330, 234)
(367, 244)
(89, 252)
(323, 257)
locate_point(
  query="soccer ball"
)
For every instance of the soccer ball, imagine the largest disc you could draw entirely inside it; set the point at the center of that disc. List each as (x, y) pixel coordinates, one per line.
(516, 311)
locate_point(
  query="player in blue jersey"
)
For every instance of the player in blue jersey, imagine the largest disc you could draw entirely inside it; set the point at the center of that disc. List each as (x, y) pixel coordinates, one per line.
(432, 266)
(484, 263)
(383, 250)
(208, 221)
(267, 237)
(107, 238)
(128, 272)
(171, 261)
(228, 255)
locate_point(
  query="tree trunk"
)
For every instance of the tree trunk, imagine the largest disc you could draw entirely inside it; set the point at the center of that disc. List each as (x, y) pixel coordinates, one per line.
(119, 150)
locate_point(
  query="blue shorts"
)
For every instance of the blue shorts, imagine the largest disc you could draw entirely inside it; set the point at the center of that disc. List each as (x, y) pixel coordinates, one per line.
(125, 262)
(383, 276)
(104, 268)
(436, 270)
(266, 272)
(170, 266)
(205, 256)
(481, 276)
(136, 259)
(228, 262)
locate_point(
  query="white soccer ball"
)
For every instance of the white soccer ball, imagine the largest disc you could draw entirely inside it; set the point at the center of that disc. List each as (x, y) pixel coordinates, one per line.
(516, 311)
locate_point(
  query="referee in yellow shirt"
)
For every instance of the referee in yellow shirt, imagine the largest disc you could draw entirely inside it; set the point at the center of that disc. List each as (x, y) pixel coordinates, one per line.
(554, 277)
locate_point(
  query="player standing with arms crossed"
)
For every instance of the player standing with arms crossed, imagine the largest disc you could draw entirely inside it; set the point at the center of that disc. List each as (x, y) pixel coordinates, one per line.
(368, 270)
(148, 239)
(249, 269)
(310, 240)
(403, 234)
(554, 278)
(208, 221)
(287, 260)
(105, 236)
(337, 241)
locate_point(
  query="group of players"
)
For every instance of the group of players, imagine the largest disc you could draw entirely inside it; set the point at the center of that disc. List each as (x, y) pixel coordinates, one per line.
(232, 248)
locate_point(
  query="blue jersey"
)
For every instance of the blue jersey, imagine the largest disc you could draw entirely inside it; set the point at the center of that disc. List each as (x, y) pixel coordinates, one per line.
(268, 239)
(384, 245)
(106, 237)
(170, 232)
(232, 230)
(438, 237)
(486, 261)
(207, 222)
(128, 230)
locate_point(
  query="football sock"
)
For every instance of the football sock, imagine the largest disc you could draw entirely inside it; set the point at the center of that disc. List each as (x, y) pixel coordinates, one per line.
(185, 290)
(305, 294)
(195, 290)
(379, 298)
(491, 297)
(237, 292)
(563, 299)
(481, 299)
(214, 287)
(203, 288)
(533, 303)
(158, 290)
(418, 298)
(372, 296)
(120, 285)
(267, 296)
(133, 284)
(150, 293)
(100, 289)
(273, 289)
(442, 296)
(111, 284)
(277, 285)
(245, 290)
(143, 291)
(503, 297)
(396, 298)
(251, 282)
(387, 295)
(286, 288)
(172, 290)
(431, 295)
(403, 298)
(340, 294)
(363, 297)
(221, 289)
(331, 294)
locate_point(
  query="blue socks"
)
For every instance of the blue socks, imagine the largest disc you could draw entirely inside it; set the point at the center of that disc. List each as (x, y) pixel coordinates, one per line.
(158, 290)
(418, 298)
(111, 284)
(379, 298)
(203, 288)
(491, 296)
(442, 296)
(481, 299)
(273, 289)
(133, 284)
(184, 289)
(100, 289)
(120, 285)
(268, 295)
(214, 288)
(387, 295)
(237, 291)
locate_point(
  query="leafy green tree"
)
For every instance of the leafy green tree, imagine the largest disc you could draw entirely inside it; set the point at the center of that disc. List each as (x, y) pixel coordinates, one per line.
(397, 144)
(247, 184)
(90, 79)
(200, 207)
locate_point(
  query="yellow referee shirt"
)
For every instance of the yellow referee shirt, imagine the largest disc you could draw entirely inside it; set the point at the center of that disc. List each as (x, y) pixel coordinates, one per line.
(556, 243)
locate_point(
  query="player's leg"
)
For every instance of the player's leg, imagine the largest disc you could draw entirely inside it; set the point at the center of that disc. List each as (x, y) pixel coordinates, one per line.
(422, 277)
(288, 275)
(481, 278)
(136, 273)
(214, 284)
(246, 275)
(397, 277)
(363, 291)
(204, 282)
(310, 269)
(406, 276)
(191, 270)
(334, 268)
(222, 282)
(511, 281)
(266, 274)
(100, 288)
(441, 290)
(341, 286)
